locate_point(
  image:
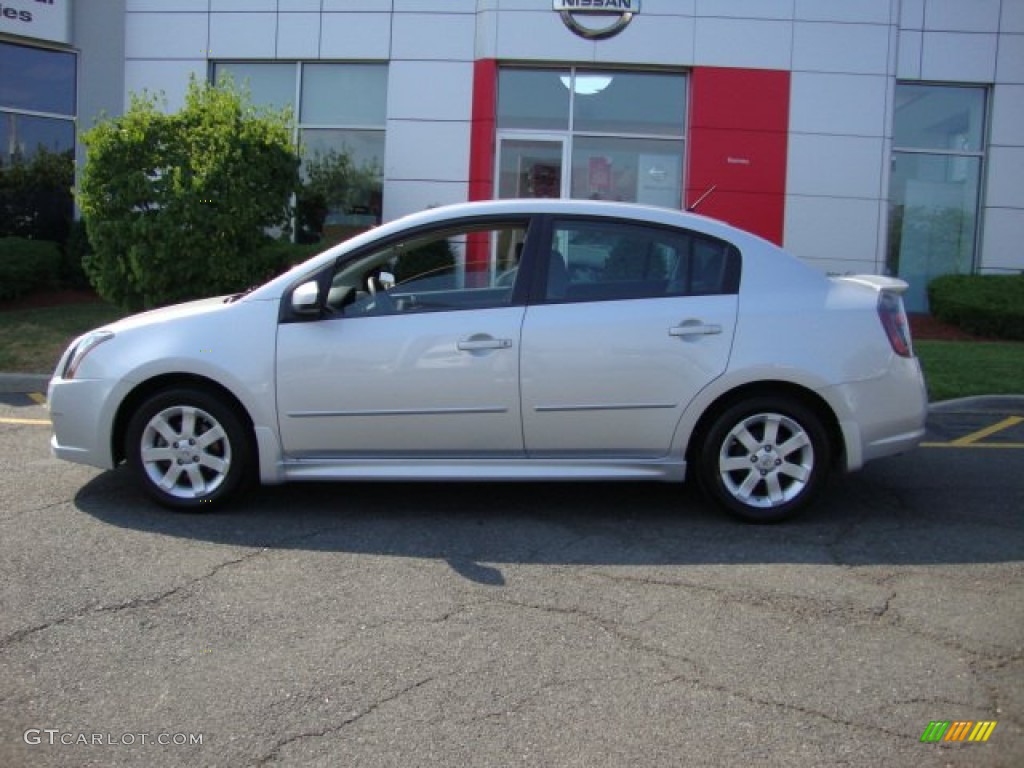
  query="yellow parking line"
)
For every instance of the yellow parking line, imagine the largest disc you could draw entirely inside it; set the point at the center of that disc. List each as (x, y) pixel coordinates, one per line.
(37, 397)
(1009, 421)
(972, 445)
(29, 422)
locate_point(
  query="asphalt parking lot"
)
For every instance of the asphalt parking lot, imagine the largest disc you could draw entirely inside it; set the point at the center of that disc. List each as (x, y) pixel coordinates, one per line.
(498, 625)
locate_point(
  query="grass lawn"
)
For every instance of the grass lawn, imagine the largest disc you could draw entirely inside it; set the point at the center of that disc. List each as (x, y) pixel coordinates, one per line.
(32, 340)
(964, 368)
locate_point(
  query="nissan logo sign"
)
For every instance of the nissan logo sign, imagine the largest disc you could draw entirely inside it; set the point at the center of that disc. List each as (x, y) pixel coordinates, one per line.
(618, 12)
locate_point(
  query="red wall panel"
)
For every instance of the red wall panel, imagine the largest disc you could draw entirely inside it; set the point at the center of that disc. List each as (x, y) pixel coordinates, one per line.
(482, 136)
(739, 126)
(481, 160)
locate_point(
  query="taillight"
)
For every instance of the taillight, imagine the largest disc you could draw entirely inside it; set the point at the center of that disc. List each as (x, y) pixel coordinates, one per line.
(894, 321)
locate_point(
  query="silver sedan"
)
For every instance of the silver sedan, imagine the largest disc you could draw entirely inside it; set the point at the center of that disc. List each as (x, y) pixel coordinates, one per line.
(509, 340)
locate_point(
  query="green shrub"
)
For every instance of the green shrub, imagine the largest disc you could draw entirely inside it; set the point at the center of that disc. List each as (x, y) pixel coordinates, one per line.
(26, 265)
(76, 248)
(177, 205)
(985, 305)
(278, 256)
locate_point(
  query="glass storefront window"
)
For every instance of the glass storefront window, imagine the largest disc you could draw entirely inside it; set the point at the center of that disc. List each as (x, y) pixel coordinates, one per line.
(269, 85)
(37, 142)
(533, 99)
(939, 117)
(350, 94)
(340, 120)
(594, 134)
(627, 170)
(645, 103)
(37, 79)
(934, 184)
(530, 168)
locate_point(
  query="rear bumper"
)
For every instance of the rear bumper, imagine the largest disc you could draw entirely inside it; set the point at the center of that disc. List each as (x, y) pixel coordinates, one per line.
(885, 415)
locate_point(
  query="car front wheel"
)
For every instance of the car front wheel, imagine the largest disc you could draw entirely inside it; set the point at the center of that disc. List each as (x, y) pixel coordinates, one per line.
(188, 449)
(764, 459)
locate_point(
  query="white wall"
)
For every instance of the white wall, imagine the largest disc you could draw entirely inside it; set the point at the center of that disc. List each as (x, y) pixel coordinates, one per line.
(845, 58)
(1003, 215)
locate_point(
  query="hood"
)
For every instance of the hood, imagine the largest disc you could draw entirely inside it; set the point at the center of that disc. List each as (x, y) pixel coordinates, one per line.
(173, 312)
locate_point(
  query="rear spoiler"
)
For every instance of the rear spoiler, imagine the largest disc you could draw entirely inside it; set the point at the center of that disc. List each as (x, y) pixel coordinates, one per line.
(891, 311)
(878, 282)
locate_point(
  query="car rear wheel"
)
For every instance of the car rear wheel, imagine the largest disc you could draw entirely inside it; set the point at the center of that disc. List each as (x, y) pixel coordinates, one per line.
(188, 449)
(764, 459)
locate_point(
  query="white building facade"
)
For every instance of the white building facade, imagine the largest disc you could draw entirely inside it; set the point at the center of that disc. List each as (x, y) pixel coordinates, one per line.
(872, 136)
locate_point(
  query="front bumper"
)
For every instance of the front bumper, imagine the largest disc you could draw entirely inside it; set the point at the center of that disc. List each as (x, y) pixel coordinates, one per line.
(82, 413)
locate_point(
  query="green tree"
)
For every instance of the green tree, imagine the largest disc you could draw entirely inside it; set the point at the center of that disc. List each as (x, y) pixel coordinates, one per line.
(178, 205)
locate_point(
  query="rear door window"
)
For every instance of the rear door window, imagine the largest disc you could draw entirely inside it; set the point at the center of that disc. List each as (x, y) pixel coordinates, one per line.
(603, 260)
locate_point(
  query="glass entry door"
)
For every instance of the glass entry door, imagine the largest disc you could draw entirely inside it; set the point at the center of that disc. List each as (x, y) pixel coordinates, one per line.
(934, 188)
(531, 167)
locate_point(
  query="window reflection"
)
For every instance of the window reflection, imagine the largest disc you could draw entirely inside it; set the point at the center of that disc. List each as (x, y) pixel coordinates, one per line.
(343, 181)
(24, 136)
(341, 116)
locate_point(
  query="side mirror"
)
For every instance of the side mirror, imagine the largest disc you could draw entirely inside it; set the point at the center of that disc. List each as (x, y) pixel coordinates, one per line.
(306, 298)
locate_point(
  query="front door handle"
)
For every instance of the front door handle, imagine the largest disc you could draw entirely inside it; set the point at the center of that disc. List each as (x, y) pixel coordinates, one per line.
(477, 343)
(695, 328)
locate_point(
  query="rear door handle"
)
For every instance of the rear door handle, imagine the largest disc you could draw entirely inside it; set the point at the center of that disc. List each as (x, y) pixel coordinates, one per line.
(475, 343)
(695, 329)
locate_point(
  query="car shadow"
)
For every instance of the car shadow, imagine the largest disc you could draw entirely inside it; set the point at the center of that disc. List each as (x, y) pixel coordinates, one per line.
(899, 511)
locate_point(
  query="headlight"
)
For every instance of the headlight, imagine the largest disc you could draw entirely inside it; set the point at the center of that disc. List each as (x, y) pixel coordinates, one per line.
(85, 345)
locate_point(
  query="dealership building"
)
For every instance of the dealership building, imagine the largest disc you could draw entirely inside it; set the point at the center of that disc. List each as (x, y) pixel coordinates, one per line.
(878, 136)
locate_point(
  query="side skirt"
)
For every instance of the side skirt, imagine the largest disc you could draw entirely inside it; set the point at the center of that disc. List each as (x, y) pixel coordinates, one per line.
(492, 470)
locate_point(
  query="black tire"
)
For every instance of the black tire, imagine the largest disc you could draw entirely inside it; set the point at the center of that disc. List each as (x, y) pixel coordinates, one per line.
(188, 449)
(764, 459)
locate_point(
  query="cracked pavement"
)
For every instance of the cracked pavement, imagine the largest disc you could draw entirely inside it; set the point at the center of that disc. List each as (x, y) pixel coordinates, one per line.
(500, 625)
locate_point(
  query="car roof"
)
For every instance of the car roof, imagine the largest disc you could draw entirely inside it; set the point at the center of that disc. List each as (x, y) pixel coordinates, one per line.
(563, 206)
